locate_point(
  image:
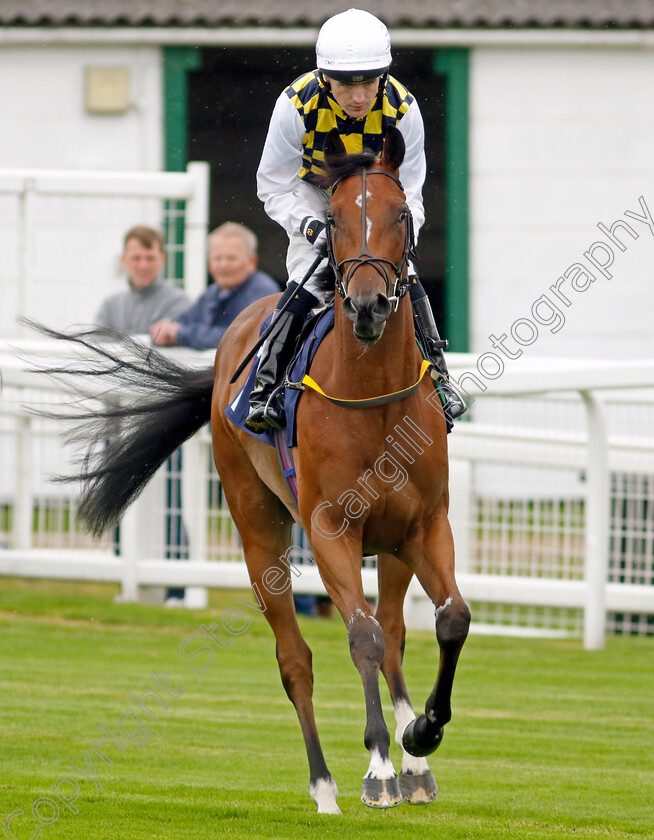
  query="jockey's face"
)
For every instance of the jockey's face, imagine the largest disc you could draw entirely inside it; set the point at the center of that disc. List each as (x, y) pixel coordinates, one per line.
(355, 99)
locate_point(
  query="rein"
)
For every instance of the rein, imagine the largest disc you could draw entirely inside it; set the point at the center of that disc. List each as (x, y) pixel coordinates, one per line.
(396, 287)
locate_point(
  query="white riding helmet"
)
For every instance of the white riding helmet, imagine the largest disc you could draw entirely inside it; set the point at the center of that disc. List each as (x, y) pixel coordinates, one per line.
(353, 46)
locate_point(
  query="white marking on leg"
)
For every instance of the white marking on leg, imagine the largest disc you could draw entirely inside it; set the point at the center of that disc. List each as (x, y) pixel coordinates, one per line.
(325, 793)
(444, 606)
(359, 613)
(410, 763)
(380, 768)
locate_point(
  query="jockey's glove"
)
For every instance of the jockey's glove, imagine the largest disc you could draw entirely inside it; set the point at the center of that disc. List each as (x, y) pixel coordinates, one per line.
(315, 232)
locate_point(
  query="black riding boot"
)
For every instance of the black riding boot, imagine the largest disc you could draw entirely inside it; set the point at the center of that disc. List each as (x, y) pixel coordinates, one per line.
(434, 349)
(267, 400)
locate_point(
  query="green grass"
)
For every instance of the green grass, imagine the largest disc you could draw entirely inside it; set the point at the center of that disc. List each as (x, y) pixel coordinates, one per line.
(547, 740)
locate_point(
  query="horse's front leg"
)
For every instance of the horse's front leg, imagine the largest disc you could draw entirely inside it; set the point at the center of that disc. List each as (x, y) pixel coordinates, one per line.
(339, 562)
(417, 783)
(432, 560)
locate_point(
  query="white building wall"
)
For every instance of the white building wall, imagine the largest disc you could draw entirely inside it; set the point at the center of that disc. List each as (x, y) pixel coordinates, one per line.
(561, 139)
(74, 243)
(42, 114)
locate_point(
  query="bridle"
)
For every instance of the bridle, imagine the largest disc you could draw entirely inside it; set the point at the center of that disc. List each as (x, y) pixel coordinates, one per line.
(397, 285)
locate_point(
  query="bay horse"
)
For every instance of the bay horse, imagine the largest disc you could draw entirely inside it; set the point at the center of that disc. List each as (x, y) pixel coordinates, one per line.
(372, 474)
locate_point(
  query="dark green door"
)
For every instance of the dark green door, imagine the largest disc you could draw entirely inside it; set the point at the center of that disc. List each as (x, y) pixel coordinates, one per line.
(230, 94)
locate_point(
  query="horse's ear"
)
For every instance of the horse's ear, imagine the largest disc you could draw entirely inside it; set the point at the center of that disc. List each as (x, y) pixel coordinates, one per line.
(394, 149)
(334, 146)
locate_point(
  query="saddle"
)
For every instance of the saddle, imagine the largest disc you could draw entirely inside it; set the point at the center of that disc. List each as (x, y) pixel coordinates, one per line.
(316, 327)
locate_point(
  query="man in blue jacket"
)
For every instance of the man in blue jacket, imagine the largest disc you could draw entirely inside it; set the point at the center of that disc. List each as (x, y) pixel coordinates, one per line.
(237, 283)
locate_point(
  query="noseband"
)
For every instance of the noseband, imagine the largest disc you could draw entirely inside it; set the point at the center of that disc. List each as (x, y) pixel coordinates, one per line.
(397, 285)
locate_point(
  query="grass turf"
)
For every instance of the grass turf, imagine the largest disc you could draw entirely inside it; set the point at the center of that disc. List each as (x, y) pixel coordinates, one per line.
(547, 740)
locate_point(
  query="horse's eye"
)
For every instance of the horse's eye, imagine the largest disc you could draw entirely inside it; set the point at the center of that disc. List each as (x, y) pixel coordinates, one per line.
(404, 215)
(330, 220)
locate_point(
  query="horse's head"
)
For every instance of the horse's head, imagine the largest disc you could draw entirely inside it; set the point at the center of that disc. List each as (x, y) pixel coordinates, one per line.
(369, 232)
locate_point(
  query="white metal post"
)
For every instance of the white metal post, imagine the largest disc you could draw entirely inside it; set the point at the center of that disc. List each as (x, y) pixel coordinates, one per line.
(23, 504)
(25, 248)
(195, 273)
(460, 513)
(142, 537)
(597, 528)
(196, 229)
(129, 555)
(195, 510)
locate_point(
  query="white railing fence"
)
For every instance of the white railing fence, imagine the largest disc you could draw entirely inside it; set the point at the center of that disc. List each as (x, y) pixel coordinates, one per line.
(552, 504)
(61, 235)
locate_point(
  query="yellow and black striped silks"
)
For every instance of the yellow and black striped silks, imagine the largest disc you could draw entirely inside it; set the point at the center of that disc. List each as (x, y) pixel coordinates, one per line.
(320, 113)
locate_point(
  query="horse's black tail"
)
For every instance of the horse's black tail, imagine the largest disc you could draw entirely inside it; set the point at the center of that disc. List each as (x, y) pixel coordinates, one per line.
(133, 409)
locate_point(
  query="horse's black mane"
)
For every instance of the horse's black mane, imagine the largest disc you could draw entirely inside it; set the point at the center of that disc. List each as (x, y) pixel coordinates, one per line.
(324, 279)
(342, 166)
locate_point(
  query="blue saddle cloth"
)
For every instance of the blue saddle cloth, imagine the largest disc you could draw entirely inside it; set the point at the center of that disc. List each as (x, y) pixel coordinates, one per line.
(313, 333)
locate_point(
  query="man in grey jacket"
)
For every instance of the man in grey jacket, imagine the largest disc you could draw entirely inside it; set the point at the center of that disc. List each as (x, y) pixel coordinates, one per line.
(148, 298)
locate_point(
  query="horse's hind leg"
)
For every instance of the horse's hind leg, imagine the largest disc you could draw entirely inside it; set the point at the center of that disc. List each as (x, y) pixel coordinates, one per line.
(433, 563)
(416, 780)
(295, 668)
(265, 528)
(264, 525)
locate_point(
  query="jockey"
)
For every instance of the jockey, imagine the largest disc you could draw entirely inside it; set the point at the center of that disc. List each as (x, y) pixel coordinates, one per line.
(350, 90)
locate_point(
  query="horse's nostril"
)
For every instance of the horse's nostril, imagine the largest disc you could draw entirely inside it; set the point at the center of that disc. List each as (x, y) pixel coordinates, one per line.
(381, 308)
(376, 309)
(349, 308)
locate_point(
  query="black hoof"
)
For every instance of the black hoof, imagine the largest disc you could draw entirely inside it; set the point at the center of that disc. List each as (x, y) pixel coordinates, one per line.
(381, 793)
(418, 788)
(421, 738)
